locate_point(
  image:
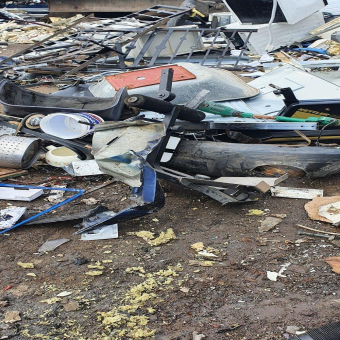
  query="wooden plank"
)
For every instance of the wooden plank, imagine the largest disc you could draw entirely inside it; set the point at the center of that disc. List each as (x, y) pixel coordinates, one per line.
(11, 173)
(308, 194)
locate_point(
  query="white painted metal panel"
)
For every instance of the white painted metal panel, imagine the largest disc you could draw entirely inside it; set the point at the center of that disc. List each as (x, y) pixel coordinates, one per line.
(283, 34)
(333, 7)
(297, 10)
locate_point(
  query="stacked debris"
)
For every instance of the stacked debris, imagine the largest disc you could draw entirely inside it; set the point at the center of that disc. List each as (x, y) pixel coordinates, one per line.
(120, 111)
(230, 105)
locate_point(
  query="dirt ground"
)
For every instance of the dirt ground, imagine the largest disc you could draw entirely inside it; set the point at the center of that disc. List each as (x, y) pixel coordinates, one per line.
(128, 288)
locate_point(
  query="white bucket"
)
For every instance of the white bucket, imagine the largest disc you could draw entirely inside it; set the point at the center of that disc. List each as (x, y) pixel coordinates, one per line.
(60, 157)
(67, 126)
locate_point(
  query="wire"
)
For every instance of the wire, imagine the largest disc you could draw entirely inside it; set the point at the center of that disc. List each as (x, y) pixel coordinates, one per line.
(78, 191)
(323, 129)
(275, 3)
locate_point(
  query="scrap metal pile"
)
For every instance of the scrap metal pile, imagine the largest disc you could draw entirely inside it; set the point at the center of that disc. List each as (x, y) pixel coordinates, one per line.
(141, 100)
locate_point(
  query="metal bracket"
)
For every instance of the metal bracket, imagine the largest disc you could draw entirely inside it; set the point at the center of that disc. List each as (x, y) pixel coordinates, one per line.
(165, 85)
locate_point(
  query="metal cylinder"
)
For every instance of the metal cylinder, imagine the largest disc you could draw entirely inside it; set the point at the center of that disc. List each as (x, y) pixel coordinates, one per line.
(19, 152)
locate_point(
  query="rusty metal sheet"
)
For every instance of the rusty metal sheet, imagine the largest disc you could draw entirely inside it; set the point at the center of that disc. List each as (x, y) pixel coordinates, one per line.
(152, 76)
(90, 6)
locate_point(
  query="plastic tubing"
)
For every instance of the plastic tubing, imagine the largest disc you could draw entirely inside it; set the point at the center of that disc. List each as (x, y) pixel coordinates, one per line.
(275, 3)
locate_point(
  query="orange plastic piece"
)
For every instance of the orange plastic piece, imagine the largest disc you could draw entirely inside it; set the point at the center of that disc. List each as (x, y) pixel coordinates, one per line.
(141, 78)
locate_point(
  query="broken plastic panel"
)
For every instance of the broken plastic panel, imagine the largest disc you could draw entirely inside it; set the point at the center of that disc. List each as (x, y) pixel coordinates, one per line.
(10, 216)
(149, 199)
(235, 159)
(120, 147)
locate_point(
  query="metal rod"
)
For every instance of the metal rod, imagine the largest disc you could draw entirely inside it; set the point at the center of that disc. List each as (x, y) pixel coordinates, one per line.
(317, 230)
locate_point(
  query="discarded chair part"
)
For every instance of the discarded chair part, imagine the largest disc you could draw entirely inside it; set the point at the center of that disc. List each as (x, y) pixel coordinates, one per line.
(288, 11)
(283, 34)
(222, 84)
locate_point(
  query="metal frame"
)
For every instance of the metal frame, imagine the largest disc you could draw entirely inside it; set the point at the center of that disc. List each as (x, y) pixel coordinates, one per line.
(88, 45)
(220, 54)
(102, 46)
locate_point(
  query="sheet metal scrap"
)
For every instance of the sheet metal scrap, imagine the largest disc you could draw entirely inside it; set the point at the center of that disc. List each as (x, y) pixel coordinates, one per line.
(42, 42)
(109, 43)
(223, 192)
(96, 39)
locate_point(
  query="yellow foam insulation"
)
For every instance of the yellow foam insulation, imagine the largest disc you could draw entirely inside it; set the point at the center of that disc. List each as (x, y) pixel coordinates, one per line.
(334, 48)
(135, 270)
(255, 212)
(95, 266)
(31, 274)
(163, 238)
(51, 301)
(94, 273)
(145, 235)
(127, 321)
(26, 265)
(197, 246)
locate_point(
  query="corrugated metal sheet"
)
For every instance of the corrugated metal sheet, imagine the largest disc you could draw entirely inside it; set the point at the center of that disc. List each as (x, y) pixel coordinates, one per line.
(333, 7)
